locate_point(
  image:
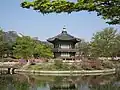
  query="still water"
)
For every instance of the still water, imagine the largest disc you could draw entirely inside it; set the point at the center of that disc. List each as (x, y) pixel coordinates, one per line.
(35, 82)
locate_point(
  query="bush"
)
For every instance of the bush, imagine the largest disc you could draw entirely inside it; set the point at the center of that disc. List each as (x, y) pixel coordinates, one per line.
(58, 64)
(86, 66)
(34, 67)
(65, 66)
(107, 64)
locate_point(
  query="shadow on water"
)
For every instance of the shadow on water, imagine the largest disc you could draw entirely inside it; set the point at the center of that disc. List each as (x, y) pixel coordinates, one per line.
(32, 82)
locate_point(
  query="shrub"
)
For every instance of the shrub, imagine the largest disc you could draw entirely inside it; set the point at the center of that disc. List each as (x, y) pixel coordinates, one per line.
(58, 64)
(107, 64)
(86, 67)
(34, 67)
(65, 66)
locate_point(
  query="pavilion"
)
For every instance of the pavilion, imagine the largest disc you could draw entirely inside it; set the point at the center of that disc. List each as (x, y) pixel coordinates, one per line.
(64, 45)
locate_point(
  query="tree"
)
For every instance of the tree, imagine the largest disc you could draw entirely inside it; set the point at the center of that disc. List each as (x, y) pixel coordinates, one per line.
(11, 45)
(27, 48)
(105, 43)
(117, 53)
(3, 44)
(42, 50)
(108, 9)
(24, 47)
(10, 38)
(6, 42)
(83, 48)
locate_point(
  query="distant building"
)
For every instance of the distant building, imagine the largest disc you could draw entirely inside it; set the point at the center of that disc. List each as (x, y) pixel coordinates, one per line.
(64, 45)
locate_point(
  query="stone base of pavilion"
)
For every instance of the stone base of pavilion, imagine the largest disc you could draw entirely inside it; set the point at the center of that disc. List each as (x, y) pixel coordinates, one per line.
(68, 73)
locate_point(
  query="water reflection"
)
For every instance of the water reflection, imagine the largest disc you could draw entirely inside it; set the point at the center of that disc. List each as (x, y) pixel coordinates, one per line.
(32, 82)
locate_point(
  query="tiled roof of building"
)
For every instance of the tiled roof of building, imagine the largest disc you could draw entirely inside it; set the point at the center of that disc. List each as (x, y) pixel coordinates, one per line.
(64, 36)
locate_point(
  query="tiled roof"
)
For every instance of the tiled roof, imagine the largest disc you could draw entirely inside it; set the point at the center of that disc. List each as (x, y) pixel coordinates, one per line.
(63, 36)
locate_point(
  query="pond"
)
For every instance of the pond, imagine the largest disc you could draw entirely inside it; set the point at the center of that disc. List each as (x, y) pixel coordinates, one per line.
(37, 82)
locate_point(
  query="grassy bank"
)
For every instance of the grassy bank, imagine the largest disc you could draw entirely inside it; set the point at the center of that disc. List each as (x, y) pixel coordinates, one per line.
(60, 66)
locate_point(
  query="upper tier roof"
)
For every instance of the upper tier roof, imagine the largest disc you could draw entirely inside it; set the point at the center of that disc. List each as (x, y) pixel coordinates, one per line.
(64, 36)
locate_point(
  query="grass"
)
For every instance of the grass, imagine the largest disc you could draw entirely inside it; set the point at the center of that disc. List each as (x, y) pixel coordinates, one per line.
(59, 65)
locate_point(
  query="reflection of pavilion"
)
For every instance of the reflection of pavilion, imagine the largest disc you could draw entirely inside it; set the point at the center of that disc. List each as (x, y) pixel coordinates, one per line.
(63, 86)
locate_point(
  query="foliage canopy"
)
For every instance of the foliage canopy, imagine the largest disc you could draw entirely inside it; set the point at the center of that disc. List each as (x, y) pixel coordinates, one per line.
(108, 9)
(83, 48)
(22, 47)
(105, 43)
(25, 47)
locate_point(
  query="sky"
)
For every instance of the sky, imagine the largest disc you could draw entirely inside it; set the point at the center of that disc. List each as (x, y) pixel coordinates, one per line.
(32, 23)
